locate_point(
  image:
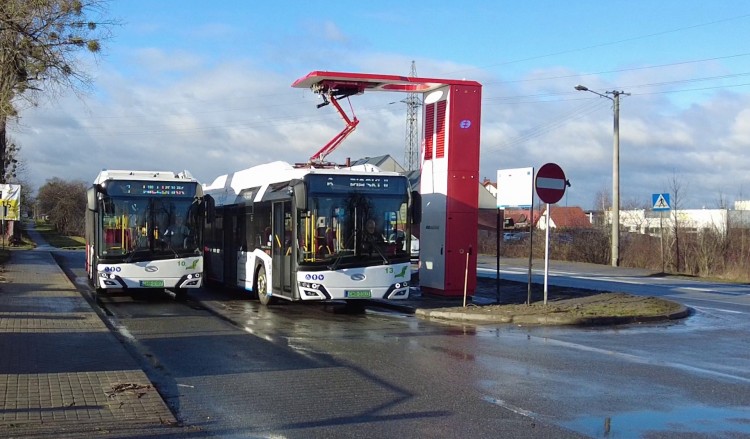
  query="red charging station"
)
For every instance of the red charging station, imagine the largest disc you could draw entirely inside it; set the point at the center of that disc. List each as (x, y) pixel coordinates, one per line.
(449, 165)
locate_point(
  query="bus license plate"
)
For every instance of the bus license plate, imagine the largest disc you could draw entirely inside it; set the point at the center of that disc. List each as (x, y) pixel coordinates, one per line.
(152, 283)
(358, 294)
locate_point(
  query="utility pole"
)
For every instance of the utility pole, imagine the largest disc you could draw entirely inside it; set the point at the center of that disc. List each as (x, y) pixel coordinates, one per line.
(412, 101)
(615, 169)
(616, 181)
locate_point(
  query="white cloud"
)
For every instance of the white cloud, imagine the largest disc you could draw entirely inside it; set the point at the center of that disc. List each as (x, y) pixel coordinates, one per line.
(220, 118)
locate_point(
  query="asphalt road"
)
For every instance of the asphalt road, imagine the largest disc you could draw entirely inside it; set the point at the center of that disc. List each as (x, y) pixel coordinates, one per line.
(229, 367)
(695, 293)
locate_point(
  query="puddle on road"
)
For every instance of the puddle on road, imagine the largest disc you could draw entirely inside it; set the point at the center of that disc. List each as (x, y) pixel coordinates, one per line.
(713, 421)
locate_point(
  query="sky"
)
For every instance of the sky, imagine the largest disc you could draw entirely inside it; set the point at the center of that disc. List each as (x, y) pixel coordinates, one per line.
(206, 87)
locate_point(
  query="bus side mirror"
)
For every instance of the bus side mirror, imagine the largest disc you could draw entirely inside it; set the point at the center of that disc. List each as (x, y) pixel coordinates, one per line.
(91, 203)
(300, 195)
(416, 207)
(210, 208)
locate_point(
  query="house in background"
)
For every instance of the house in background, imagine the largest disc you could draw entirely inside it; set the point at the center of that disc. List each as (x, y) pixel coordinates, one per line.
(384, 162)
(515, 220)
(564, 218)
(490, 186)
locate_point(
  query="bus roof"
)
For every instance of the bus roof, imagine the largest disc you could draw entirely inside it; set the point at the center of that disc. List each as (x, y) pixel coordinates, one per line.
(111, 174)
(227, 187)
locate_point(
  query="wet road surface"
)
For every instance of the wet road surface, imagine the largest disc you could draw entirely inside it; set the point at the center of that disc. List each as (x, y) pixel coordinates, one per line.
(231, 368)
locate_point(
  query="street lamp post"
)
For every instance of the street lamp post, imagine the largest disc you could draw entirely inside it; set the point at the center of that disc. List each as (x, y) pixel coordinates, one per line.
(615, 169)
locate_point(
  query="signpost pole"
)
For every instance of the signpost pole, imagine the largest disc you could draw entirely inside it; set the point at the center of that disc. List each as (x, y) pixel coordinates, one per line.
(550, 186)
(660, 203)
(5, 214)
(500, 229)
(546, 253)
(661, 238)
(531, 249)
(515, 188)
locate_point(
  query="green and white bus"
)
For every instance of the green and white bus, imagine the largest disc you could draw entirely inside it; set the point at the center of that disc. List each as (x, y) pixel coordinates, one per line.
(144, 230)
(312, 234)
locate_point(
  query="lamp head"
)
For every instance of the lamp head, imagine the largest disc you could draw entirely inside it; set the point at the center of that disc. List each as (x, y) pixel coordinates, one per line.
(581, 88)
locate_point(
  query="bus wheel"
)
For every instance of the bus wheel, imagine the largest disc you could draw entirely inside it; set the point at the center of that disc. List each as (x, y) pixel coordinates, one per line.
(261, 286)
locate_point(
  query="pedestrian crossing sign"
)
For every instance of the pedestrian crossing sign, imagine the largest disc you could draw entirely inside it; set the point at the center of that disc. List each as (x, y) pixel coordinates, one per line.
(660, 202)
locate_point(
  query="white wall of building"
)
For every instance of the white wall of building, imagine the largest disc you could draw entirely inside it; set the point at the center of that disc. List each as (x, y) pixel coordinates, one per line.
(648, 222)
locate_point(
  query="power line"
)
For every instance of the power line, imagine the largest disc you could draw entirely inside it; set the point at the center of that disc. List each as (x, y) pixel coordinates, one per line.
(540, 130)
(656, 66)
(543, 97)
(610, 43)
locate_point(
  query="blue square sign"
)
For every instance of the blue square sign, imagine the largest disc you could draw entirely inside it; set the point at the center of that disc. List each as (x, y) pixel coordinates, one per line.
(660, 202)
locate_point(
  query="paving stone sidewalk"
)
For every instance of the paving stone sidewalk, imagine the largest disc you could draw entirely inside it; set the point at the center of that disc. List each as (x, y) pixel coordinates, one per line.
(62, 372)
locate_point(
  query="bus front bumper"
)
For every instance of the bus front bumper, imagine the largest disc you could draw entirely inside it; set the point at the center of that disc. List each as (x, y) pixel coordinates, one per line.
(112, 281)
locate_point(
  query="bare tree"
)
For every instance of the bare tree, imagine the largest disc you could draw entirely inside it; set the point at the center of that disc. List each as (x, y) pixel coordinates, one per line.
(677, 189)
(65, 203)
(602, 203)
(39, 42)
(633, 214)
(602, 200)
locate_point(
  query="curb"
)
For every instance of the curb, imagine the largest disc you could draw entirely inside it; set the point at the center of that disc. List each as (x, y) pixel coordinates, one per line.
(535, 320)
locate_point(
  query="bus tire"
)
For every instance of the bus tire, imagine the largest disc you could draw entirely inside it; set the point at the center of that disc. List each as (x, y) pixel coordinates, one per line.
(261, 286)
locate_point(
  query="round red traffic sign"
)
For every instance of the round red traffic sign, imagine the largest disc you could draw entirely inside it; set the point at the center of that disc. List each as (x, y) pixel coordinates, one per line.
(550, 183)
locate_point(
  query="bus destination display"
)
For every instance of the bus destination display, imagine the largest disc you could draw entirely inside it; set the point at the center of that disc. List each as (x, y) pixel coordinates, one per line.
(348, 183)
(151, 189)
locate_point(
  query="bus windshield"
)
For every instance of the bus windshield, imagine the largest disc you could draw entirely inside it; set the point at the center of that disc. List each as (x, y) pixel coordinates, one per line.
(348, 228)
(142, 227)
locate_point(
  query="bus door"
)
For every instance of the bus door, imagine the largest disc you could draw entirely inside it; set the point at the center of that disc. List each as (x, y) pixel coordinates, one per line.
(283, 242)
(231, 245)
(244, 219)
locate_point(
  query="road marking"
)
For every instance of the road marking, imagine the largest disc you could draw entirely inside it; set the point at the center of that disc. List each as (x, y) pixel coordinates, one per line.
(704, 308)
(536, 272)
(702, 290)
(511, 407)
(644, 360)
(720, 291)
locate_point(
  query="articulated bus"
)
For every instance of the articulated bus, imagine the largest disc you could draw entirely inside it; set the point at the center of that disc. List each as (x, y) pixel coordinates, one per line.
(301, 233)
(144, 229)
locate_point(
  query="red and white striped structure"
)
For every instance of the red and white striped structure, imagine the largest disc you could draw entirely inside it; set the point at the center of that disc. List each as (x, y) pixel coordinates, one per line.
(449, 165)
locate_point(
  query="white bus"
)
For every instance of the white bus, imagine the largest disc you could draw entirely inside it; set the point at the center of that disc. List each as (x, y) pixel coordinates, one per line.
(300, 233)
(144, 229)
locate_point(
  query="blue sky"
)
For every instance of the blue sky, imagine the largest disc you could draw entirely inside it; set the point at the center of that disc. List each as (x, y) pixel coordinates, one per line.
(206, 86)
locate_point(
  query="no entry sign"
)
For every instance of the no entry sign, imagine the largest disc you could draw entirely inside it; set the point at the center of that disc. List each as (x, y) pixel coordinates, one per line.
(550, 183)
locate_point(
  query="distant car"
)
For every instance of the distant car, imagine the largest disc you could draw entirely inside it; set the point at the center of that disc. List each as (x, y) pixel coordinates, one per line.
(508, 236)
(515, 236)
(414, 250)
